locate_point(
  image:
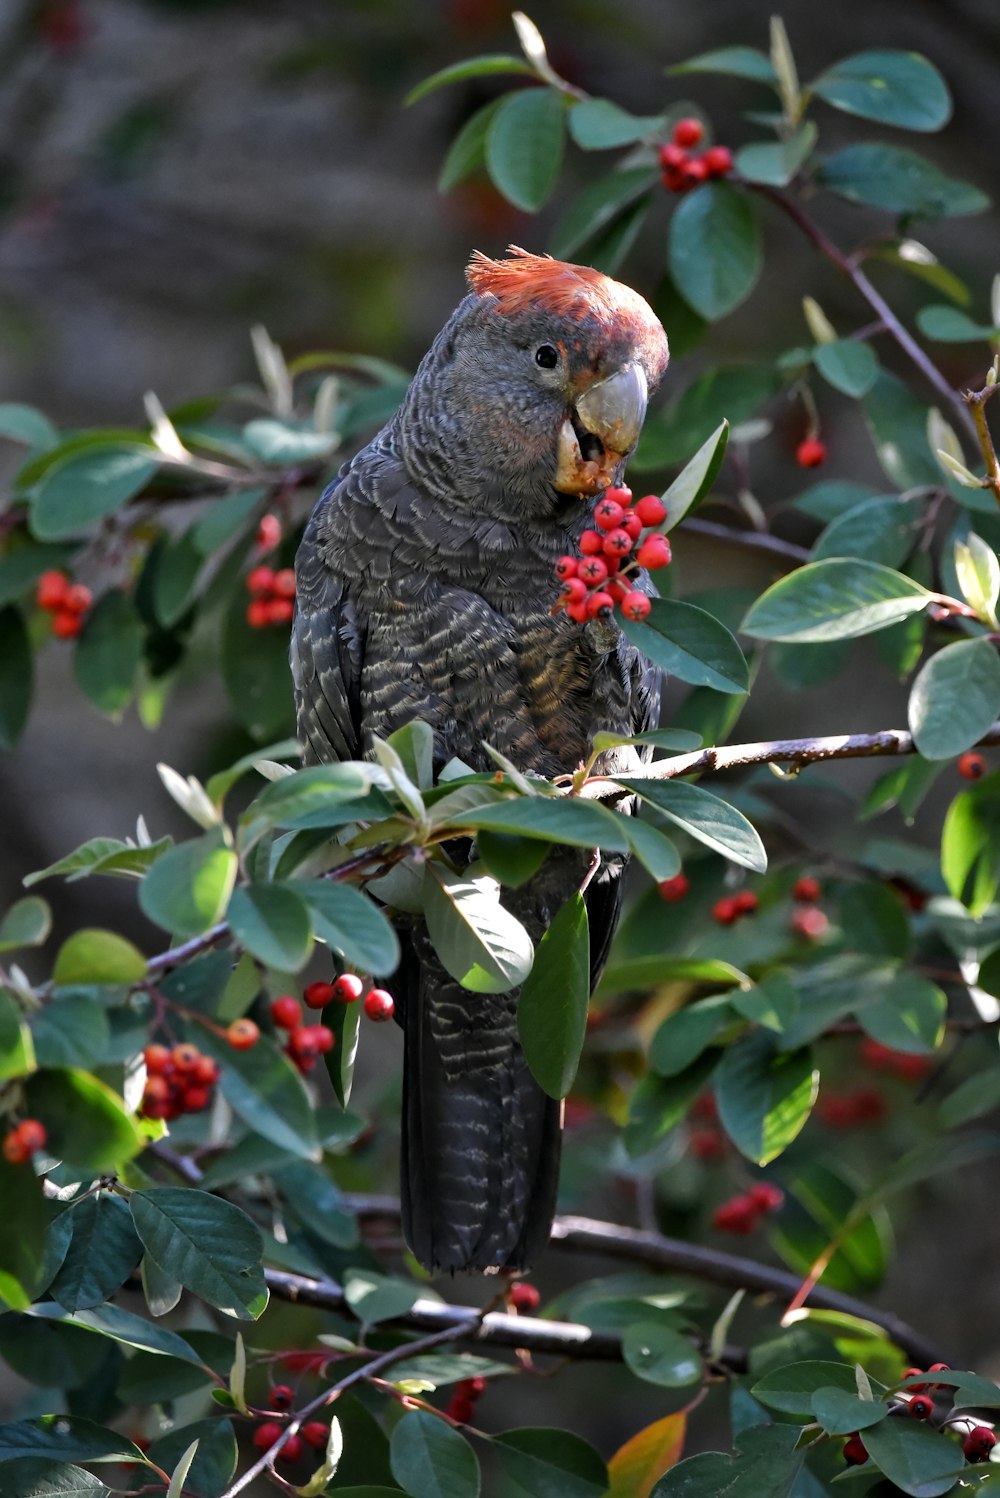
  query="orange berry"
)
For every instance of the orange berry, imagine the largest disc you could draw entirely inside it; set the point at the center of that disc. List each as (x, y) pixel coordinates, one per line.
(242, 1034)
(32, 1135)
(15, 1150)
(636, 605)
(185, 1056)
(970, 765)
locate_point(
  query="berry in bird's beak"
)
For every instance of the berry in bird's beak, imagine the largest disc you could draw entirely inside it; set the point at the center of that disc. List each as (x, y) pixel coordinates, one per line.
(600, 432)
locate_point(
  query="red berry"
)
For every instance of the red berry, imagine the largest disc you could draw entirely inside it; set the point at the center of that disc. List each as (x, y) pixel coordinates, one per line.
(280, 1397)
(694, 172)
(979, 1443)
(651, 510)
(765, 1196)
(673, 179)
(855, 1454)
(318, 995)
(807, 890)
(724, 911)
(672, 157)
(636, 605)
(206, 1073)
(574, 589)
(688, 131)
(77, 599)
(242, 1034)
(292, 1449)
(260, 581)
(524, 1297)
(632, 526)
(286, 1012)
(617, 543)
(672, 890)
(566, 568)
(14, 1149)
(32, 1135)
(50, 590)
(608, 514)
(259, 613)
(706, 1144)
(593, 570)
(971, 766)
(301, 1044)
(460, 1409)
(185, 1056)
(738, 1215)
(810, 453)
(654, 552)
(599, 604)
(317, 1038)
(746, 902)
(591, 543)
(157, 1059)
(616, 589)
(195, 1099)
(379, 1004)
(921, 1407)
(705, 1107)
(266, 1434)
(279, 610)
(810, 923)
(914, 1373)
(477, 1386)
(284, 583)
(305, 1362)
(718, 160)
(316, 1434)
(66, 625)
(577, 611)
(268, 532)
(347, 988)
(621, 494)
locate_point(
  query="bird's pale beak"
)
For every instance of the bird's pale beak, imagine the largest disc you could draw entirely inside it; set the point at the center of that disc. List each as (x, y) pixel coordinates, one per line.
(600, 432)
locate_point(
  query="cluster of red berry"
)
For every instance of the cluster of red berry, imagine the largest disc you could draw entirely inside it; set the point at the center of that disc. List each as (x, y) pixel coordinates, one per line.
(272, 596)
(902, 1064)
(851, 1110)
(313, 1433)
(462, 1405)
(810, 453)
(179, 1079)
(977, 1440)
(67, 602)
(346, 989)
(809, 921)
(741, 1214)
(595, 581)
(970, 765)
(732, 908)
(680, 170)
(707, 1141)
(23, 1140)
(304, 1044)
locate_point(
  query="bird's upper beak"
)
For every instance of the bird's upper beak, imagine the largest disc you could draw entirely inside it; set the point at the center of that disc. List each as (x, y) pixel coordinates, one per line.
(601, 430)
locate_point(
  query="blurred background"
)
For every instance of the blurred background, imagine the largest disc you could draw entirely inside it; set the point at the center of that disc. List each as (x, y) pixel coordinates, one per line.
(173, 172)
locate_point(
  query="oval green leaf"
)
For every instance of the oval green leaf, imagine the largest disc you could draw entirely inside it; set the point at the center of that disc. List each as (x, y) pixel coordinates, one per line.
(65, 1438)
(524, 146)
(478, 941)
(271, 921)
(555, 819)
(899, 181)
(764, 1096)
(705, 817)
(552, 1005)
(82, 489)
(206, 1243)
(95, 956)
(691, 644)
(955, 698)
(895, 88)
(109, 652)
(714, 249)
(430, 1459)
(86, 1121)
(919, 1460)
(834, 599)
(26, 924)
(352, 924)
(660, 1354)
(102, 1253)
(188, 888)
(848, 365)
(545, 1463)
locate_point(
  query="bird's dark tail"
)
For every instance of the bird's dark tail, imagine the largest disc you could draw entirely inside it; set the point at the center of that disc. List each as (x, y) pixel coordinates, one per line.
(480, 1146)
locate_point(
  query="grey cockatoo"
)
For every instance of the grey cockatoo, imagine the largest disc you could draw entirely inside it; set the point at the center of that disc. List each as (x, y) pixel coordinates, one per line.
(425, 590)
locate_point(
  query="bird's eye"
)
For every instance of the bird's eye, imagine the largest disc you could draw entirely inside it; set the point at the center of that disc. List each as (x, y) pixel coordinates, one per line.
(547, 356)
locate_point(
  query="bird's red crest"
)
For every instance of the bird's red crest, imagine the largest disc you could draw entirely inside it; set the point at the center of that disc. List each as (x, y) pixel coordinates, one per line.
(565, 290)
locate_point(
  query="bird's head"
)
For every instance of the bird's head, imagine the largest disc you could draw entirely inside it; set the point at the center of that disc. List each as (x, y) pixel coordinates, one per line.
(545, 369)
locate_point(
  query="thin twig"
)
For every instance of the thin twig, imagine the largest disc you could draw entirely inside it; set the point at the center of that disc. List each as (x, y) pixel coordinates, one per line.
(975, 401)
(753, 540)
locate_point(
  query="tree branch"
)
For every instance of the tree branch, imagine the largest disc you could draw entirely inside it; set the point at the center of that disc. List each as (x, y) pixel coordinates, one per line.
(752, 540)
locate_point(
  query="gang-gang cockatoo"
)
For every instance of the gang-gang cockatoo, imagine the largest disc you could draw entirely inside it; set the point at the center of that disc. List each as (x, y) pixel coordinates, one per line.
(425, 590)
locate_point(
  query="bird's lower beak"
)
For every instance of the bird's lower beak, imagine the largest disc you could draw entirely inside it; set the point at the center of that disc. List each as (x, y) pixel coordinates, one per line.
(600, 432)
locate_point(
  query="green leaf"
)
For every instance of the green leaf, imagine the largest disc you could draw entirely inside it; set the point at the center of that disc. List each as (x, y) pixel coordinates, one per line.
(917, 260)
(685, 1034)
(66, 1438)
(840, 1413)
(714, 249)
(970, 845)
(895, 88)
(26, 924)
(976, 1096)
(467, 152)
(658, 1104)
(174, 576)
(955, 698)
(548, 1463)
(431, 1459)
(285, 442)
(833, 498)
(214, 1463)
(659, 1354)
(17, 1056)
(734, 62)
(351, 924)
(206, 1243)
(254, 665)
(950, 325)
(920, 1461)
(898, 424)
(128, 1329)
(776, 163)
(764, 1096)
(881, 530)
(873, 916)
(188, 888)
(17, 670)
(35, 1477)
(557, 819)
(313, 1198)
(26, 424)
(79, 490)
(272, 922)
(94, 956)
(764, 1465)
(319, 796)
(414, 743)
(472, 67)
(834, 600)
(103, 855)
(511, 859)
(598, 205)
(668, 435)
(899, 181)
(790, 1390)
(477, 940)
(818, 1202)
(600, 125)
(86, 1121)
(552, 1005)
(224, 519)
(108, 653)
(264, 1089)
(524, 146)
(102, 1253)
(704, 816)
(848, 365)
(654, 850)
(22, 564)
(691, 644)
(23, 1224)
(696, 478)
(375, 1297)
